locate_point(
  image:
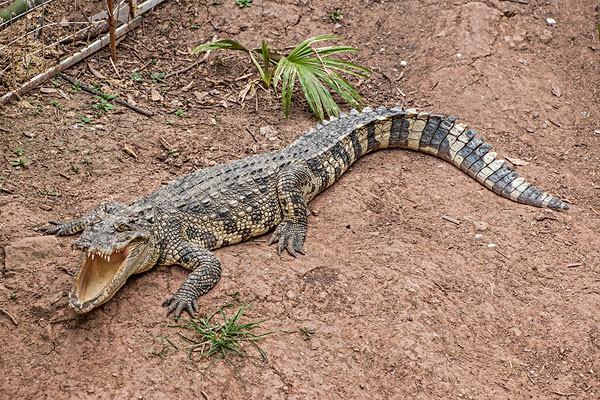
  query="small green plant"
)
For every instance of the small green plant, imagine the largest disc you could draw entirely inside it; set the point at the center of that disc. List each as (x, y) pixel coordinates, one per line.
(222, 338)
(103, 105)
(136, 77)
(195, 26)
(76, 87)
(243, 3)
(56, 82)
(336, 15)
(83, 119)
(21, 162)
(50, 192)
(19, 151)
(180, 112)
(56, 104)
(12, 296)
(314, 68)
(157, 77)
(307, 333)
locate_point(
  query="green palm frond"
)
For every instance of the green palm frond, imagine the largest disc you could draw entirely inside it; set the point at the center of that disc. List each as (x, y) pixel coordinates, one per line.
(318, 73)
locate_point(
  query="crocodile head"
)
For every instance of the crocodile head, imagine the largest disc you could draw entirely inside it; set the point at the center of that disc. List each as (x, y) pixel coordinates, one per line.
(113, 249)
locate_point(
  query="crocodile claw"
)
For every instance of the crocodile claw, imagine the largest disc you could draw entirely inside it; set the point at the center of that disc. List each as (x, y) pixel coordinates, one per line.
(290, 237)
(180, 302)
(54, 228)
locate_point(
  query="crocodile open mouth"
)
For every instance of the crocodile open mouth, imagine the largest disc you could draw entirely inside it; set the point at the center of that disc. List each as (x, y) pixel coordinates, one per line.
(99, 276)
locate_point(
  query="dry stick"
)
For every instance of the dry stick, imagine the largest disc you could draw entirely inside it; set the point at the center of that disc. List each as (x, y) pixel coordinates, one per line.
(9, 315)
(87, 88)
(186, 69)
(111, 30)
(132, 8)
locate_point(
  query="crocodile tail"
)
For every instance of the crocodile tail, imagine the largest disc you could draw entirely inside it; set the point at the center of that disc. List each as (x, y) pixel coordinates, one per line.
(452, 141)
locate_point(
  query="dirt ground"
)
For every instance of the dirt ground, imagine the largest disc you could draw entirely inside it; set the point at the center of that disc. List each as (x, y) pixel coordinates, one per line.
(404, 304)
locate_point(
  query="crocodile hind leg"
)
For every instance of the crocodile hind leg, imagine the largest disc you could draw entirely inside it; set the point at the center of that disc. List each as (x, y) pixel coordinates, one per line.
(291, 188)
(77, 225)
(206, 271)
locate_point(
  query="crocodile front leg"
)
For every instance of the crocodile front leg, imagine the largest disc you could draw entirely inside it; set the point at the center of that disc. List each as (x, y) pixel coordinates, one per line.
(79, 224)
(206, 271)
(291, 188)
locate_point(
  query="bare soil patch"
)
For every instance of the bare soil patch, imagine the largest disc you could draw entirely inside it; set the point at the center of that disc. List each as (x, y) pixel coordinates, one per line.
(403, 303)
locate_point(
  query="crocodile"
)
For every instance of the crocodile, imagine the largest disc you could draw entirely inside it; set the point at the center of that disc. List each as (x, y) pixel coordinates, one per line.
(183, 221)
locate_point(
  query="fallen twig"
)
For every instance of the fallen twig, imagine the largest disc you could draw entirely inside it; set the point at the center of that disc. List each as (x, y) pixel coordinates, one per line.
(89, 89)
(450, 219)
(9, 315)
(573, 265)
(186, 69)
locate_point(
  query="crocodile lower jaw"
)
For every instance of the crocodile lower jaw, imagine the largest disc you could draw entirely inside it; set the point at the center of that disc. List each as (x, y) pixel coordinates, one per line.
(98, 278)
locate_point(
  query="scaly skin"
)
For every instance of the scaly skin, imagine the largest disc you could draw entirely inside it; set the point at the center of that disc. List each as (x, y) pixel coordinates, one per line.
(182, 222)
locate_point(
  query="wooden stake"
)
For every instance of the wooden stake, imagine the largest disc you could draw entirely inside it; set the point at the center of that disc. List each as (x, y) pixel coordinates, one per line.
(111, 30)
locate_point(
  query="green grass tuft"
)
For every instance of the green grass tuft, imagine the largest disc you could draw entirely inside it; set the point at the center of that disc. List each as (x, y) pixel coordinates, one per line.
(221, 336)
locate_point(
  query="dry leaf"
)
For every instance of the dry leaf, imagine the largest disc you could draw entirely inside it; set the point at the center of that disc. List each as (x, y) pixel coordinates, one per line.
(517, 162)
(187, 87)
(95, 72)
(200, 95)
(128, 150)
(156, 96)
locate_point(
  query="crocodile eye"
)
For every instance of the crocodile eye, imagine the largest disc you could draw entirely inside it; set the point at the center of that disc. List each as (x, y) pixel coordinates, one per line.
(123, 227)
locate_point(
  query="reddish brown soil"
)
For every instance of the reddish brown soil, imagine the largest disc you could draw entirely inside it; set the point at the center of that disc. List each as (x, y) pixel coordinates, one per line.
(405, 304)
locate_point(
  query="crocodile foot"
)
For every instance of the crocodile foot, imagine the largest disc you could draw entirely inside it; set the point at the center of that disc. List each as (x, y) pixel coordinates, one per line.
(181, 301)
(61, 228)
(289, 236)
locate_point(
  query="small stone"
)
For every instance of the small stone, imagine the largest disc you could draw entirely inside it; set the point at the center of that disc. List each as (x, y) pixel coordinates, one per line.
(29, 135)
(458, 55)
(492, 245)
(481, 226)
(556, 91)
(290, 294)
(269, 132)
(479, 236)
(550, 21)
(524, 61)
(403, 63)
(597, 132)
(545, 36)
